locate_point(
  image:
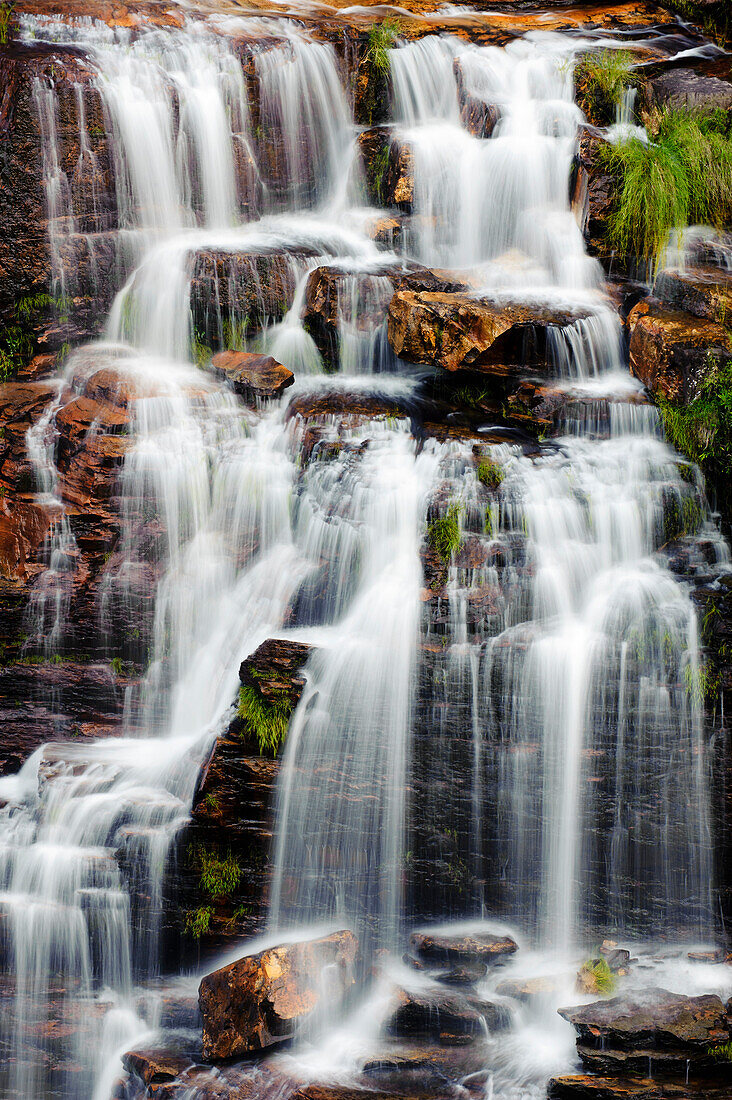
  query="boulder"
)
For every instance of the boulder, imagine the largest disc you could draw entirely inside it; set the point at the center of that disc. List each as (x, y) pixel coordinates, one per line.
(704, 291)
(451, 1019)
(237, 293)
(261, 1000)
(253, 377)
(670, 350)
(336, 298)
(155, 1066)
(458, 330)
(531, 989)
(682, 88)
(477, 948)
(620, 1035)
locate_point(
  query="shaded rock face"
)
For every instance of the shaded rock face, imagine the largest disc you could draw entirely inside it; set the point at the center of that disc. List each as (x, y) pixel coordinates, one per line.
(340, 302)
(704, 291)
(262, 1000)
(253, 377)
(477, 116)
(387, 164)
(592, 194)
(578, 1086)
(43, 86)
(453, 331)
(682, 88)
(620, 1035)
(451, 1019)
(671, 351)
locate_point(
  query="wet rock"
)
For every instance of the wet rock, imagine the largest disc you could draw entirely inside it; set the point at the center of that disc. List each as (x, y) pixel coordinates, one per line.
(41, 366)
(253, 377)
(620, 1035)
(686, 89)
(702, 291)
(461, 975)
(577, 1086)
(338, 300)
(593, 189)
(671, 351)
(456, 330)
(155, 1066)
(261, 1000)
(478, 117)
(371, 92)
(237, 293)
(452, 1019)
(275, 670)
(388, 168)
(477, 948)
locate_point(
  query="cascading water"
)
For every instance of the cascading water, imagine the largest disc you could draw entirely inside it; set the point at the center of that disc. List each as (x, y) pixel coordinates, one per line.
(556, 683)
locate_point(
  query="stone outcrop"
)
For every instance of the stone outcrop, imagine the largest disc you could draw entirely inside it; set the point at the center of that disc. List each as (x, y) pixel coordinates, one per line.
(262, 1000)
(577, 1086)
(671, 351)
(685, 89)
(619, 1036)
(704, 291)
(387, 165)
(450, 1019)
(458, 330)
(335, 297)
(253, 377)
(593, 189)
(482, 948)
(253, 288)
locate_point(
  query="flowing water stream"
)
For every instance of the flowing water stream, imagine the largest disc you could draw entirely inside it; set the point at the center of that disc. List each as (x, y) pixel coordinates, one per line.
(567, 653)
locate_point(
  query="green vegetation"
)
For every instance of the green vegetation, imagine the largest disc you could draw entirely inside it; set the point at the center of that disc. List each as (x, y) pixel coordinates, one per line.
(17, 337)
(681, 517)
(443, 533)
(683, 175)
(211, 803)
(603, 976)
(702, 684)
(266, 722)
(197, 921)
(722, 1052)
(219, 877)
(600, 79)
(381, 39)
(6, 19)
(489, 473)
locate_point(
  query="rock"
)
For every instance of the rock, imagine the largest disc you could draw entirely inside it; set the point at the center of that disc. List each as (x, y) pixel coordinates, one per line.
(461, 975)
(670, 350)
(484, 948)
(253, 377)
(577, 1086)
(593, 189)
(702, 291)
(621, 1035)
(261, 1000)
(451, 1019)
(41, 366)
(457, 330)
(478, 117)
(236, 293)
(155, 1066)
(338, 299)
(388, 168)
(274, 669)
(686, 89)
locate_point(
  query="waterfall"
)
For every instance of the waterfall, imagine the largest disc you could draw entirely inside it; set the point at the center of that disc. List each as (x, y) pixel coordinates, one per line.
(525, 739)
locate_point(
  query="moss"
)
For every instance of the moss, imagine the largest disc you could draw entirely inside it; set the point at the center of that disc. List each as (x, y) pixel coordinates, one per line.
(489, 473)
(6, 19)
(380, 165)
(443, 533)
(702, 684)
(381, 39)
(600, 78)
(683, 175)
(722, 1052)
(198, 921)
(266, 722)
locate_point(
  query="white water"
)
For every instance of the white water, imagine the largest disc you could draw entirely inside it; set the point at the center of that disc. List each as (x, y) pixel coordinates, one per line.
(586, 649)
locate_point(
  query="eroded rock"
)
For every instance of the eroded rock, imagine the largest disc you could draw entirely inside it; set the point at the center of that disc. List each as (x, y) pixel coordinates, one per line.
(253, 377)
(261, 1000)
(671, 351)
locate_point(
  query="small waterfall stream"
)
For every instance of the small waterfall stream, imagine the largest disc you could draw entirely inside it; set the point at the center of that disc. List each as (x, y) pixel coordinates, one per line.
(566, 651)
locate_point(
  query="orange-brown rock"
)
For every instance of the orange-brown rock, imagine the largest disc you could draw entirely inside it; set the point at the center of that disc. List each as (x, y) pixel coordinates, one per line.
(261, 1000)
(671, 351)
(153, 1066)
(40, 366)
(23, 528)
(458, 330)
(580, 1086)
(254, 377)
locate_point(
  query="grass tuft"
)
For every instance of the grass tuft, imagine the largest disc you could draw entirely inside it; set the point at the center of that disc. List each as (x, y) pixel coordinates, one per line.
(489, 473)
(682, 176)
(604, 978)
(600, 79)
(266, 722)
(381, 39)
(443, 533)
(197, 921)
